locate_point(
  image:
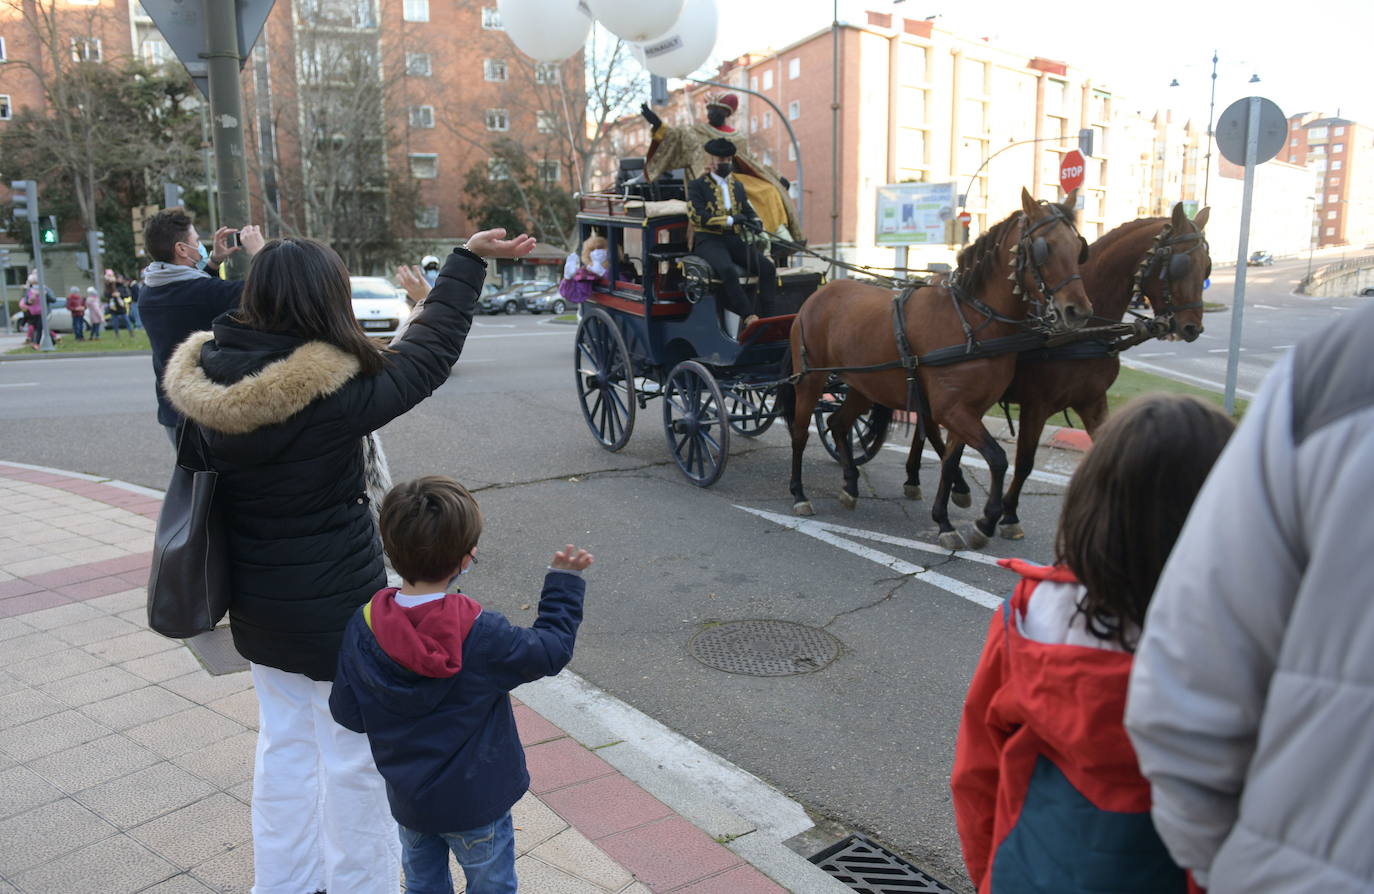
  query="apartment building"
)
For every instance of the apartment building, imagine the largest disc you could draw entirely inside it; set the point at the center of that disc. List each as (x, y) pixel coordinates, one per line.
(1340, 153)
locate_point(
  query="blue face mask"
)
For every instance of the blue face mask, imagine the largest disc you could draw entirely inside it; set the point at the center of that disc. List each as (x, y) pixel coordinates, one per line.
(204, 256)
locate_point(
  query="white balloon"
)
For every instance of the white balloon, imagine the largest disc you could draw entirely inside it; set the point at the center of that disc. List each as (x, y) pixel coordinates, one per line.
(546, 30)
(636, 21)
(686, 45)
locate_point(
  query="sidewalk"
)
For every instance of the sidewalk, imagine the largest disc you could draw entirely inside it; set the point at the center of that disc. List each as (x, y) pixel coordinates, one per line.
(126, 767)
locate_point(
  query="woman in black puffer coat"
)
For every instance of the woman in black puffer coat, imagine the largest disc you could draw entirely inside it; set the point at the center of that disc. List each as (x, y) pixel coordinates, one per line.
(287, 390)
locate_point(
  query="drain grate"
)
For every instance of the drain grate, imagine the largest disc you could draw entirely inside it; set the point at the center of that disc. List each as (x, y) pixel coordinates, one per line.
(764, 648)
(869, 868)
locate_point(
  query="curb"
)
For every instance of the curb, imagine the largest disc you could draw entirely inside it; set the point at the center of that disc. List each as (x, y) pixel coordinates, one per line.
(83, 355)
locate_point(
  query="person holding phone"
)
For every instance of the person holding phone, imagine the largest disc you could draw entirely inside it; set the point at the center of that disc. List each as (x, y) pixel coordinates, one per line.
(182, 292)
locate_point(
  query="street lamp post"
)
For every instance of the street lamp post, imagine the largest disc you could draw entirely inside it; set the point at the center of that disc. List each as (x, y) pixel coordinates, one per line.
(1315, 223)
(1211, 119)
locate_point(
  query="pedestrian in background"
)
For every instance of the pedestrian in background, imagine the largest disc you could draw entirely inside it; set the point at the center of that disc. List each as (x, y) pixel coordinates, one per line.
(116, 305)
(430, 267)
(426, 674)
(1047, 792)
(182, 293)
(76, 306)
(32, 306)
(285, 391)
(1252, 692)
(133, 289)
(95, 313)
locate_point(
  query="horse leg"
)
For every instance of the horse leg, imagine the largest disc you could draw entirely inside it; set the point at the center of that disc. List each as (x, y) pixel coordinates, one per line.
(841, 425)
(808, 391)
(966, 427)
(959, 487)
(949, 465)
(1093, 413)
(1033, 415)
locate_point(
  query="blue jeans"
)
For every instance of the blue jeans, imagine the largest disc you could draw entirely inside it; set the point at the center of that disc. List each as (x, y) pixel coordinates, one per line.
(487, 855)
(79, 327)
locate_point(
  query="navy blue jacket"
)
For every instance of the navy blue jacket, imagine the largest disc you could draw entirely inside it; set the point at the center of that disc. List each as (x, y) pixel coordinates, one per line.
(173, 311)
(448, 747)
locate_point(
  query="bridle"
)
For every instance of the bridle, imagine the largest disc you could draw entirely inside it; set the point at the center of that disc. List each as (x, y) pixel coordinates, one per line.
(1169, 266)
(1032, 252)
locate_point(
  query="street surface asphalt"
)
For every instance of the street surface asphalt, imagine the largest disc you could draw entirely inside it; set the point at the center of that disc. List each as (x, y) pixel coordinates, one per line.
(867, 741)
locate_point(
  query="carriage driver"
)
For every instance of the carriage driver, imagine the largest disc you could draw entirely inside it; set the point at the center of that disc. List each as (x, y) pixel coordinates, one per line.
(721, 215)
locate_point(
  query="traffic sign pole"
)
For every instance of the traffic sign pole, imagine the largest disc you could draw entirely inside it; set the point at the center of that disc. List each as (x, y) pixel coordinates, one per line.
(44, 343)
(1252, 130)
(5, 286)
(226, 118)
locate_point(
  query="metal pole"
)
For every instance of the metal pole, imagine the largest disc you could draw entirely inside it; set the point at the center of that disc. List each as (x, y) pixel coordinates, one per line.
(834, 137)
(791, 134)
(226, 113)
(45, 343)
(97, 262)
(1238, 299)
(205, 147)
(5, 287)
(1211, 107)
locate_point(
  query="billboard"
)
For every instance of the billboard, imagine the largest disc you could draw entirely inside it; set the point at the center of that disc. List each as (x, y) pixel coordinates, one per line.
(914, 213)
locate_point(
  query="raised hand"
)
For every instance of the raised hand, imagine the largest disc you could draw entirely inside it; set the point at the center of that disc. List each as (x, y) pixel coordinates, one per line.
(570, 558)
(494, 244)
(412, 279)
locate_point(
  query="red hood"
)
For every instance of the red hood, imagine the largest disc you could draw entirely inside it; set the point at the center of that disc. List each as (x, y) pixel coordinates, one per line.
(427, 639)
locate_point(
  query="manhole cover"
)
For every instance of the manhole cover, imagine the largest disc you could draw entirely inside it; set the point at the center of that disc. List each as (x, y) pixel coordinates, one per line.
(869, 868)
(764, 648)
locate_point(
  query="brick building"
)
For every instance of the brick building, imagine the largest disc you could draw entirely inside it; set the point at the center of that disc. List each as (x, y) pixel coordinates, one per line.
(1340, 153)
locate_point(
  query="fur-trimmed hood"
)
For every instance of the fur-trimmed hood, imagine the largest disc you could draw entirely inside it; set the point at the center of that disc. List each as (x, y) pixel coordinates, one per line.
(273, 393)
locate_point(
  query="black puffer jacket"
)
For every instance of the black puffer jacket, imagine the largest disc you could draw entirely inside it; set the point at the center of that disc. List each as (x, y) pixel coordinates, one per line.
(285, 419)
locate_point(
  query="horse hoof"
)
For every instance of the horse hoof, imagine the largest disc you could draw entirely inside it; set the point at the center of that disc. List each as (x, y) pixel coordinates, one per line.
(847, 500)
(962, 499)
(803, 508)
(952, 541)
(1012, 531)
(976, 538)
(912, 491)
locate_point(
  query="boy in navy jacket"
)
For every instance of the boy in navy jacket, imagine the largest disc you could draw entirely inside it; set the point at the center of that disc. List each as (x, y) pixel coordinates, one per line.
(426, 674)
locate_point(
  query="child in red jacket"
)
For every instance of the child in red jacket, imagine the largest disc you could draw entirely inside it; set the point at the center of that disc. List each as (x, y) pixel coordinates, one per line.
(1047, 792)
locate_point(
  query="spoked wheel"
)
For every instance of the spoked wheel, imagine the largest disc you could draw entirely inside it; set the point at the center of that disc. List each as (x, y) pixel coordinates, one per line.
(752, 410)
(605, 379)
(694, 421)
(867, 435)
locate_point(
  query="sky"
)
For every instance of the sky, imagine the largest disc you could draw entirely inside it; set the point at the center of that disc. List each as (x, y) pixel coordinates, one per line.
(1313, 56)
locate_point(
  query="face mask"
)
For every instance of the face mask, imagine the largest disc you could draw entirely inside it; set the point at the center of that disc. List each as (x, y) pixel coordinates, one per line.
(204, 256)
(724, 168)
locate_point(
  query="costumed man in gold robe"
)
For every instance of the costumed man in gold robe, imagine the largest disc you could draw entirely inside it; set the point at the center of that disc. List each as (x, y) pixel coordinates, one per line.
(673, 147)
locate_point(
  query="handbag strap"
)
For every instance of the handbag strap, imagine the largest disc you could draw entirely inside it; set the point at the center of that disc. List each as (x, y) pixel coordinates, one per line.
(192, 451)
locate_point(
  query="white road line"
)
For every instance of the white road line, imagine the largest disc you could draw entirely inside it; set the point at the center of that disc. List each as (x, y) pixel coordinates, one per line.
(1217, 350)
(1205, 335)
(1282, 347)
(523, 335)
(1265, 307)
(19, 385)
(1174, 374)
(493, 325)
(1157, 354)
(824, 533)
(978, 463)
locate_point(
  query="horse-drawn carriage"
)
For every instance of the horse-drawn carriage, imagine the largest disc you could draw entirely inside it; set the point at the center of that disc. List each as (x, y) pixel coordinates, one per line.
(653, 329)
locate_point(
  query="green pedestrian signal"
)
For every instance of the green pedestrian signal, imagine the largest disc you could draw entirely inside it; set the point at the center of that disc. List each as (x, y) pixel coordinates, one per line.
(48, 235)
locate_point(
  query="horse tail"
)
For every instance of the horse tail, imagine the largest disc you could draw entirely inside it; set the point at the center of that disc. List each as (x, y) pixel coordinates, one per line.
(786, 401)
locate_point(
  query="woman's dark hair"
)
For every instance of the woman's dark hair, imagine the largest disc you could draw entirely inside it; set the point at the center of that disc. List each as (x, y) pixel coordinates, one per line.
(301, 287)
(428, 525)
(1127, 502)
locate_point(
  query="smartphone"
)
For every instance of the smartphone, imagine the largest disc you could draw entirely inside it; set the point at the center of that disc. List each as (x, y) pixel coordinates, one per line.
(233, 239)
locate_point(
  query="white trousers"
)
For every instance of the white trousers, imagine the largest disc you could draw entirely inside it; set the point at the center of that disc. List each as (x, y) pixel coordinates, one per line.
(320, 815)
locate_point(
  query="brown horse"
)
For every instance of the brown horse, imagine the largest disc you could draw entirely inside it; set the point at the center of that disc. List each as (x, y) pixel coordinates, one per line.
(1000, 278)
(1163, 259)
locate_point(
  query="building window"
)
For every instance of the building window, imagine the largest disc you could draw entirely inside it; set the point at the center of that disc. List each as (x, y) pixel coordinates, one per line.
(546, 73)
(1330, 215)
(424, 166)
(753, 124)
(754, 83)
(419, 65)
(422, 116)
(1330, 231)
(497, 169)
(85, 49)
(1332, 198)
(768, 157)
(768, 80)
(1337, 147)
(154, 52)
(1293, 142)
(794, 110)
(548, 171)
(793, 69)
(416, 11)
(545, 122)
(5, 109)
(1333, 181)
(1336, 165)
(1316, 133)
(767, 120)
(791, 151)
(494, 69)
(491, 19)
(427, 217)
(1339, 132)
(498, 119)
(3, 57)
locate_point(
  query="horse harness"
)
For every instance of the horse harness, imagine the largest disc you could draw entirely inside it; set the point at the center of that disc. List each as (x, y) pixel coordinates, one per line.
(1169, 266)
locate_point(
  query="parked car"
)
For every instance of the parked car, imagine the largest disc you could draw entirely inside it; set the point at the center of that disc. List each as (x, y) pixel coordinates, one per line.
(378, 306)
(1260, 259)
(514, 298)
(1367, 292)
(59, 318)
(548, 301)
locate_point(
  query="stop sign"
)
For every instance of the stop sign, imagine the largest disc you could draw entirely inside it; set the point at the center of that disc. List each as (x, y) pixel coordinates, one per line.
(1071, 171)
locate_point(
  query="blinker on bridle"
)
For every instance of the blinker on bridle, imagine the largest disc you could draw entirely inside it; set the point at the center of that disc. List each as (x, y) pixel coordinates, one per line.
(1032, 252)
(1169, 266)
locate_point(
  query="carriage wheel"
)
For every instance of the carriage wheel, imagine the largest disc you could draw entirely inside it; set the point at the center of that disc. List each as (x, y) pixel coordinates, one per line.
(752, 410)
(865, 438)
(694, 421)
(605, 379)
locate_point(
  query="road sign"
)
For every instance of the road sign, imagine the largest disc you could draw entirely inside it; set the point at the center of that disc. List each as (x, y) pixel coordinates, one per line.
(1071, 170)
(965, 218)
(182, 23)
(1233, 129)
(914, 213)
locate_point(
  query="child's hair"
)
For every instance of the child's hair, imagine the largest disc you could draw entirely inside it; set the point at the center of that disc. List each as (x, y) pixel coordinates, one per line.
(428, 525)
(591, 244)
(1127, 503)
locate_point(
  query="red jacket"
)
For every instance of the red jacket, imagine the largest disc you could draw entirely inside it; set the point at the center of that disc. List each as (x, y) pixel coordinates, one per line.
(1047, 792)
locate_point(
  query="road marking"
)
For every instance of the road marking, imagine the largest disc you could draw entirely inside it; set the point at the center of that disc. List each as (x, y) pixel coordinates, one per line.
(1174, 374)
(1157, 354)
(1205, 335)
(1282, 347)
(494, 325)
(1216, 350)
(825, 533)
(1334, 307)
(1265, 307)
(978, 463)
(18, 385)
(523, 335)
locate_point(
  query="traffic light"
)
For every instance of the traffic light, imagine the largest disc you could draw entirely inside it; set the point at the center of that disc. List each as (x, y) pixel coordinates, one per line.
(48, 234)
(100, 242)
(172, 196)
(24, 196)
(1085, 142)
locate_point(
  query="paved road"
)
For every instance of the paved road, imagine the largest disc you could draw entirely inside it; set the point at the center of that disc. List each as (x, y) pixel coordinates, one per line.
(1274, 320)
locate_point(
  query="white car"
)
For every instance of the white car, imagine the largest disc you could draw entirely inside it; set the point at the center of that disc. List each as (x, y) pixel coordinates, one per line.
(59, 318)
(379, 307)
